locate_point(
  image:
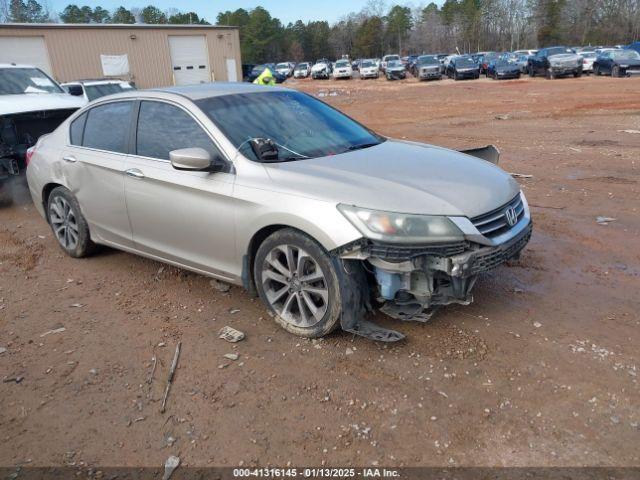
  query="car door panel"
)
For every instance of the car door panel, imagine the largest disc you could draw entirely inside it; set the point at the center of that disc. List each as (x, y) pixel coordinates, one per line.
(181, 216)
(186, 217)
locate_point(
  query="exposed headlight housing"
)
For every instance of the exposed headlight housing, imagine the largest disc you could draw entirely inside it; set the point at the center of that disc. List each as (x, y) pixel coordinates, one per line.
(401, 227)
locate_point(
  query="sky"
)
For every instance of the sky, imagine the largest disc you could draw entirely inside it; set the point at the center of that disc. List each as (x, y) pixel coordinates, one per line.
(286, 10)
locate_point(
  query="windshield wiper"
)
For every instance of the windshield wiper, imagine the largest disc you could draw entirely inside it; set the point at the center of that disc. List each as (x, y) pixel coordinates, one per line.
(360, 146)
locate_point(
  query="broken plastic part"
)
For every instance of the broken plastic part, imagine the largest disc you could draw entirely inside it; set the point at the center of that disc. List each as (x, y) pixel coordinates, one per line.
(489, 153)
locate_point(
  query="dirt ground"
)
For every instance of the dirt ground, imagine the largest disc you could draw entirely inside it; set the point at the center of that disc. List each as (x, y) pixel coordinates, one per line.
(542, 370)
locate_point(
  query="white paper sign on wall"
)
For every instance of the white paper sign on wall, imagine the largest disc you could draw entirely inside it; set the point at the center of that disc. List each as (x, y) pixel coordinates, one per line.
(115, 65)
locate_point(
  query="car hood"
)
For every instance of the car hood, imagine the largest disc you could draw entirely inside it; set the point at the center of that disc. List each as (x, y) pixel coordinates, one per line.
(33, 102)
(400, 176)
(319, 67)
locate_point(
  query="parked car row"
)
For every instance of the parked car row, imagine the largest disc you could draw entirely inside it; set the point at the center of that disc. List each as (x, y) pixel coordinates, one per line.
(550, 62)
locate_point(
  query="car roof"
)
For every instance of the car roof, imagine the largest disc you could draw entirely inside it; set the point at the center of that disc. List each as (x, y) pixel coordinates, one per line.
(94, 82)
(15, 65)
(216, 89)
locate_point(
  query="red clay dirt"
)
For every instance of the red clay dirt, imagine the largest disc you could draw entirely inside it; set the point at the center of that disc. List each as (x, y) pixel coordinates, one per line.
(541, 370)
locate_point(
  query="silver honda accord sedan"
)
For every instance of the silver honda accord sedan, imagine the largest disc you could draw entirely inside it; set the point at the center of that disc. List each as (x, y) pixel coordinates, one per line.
(271, 189)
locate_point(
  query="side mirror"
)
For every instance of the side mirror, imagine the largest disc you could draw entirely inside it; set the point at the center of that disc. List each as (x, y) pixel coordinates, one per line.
(195, 159)
(265, 149)
(75, 90)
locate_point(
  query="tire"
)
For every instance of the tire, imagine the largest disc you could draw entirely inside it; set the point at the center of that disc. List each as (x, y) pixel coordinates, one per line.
(615, 71)
(549, 74)
(596, 70)
(577, 74)
(455, 76)
(308, 308)
(532, 72)
(68, 224)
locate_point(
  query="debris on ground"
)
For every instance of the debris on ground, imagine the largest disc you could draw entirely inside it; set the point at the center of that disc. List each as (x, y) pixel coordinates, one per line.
(2, 350)
(537, 324)
(170, 465)
(153, 369)
(231, 356)
(230, 334)
(172, 371)
(504, 116)
(220, 286)
(520, 175)
(233, 311)
(604, 220)
(349, 351)
(629, 131)
(55, 330)
(16, 379)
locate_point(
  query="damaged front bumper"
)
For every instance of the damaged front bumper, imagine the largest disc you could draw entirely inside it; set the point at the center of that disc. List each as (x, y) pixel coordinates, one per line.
(409, 282)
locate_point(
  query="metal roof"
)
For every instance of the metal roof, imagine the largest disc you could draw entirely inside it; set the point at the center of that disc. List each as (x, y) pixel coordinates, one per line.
(112, 26)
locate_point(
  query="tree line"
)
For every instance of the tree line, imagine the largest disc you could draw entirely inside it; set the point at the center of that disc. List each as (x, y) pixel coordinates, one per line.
(378, 29)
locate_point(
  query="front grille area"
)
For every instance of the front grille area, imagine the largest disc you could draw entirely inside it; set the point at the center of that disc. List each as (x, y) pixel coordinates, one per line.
(497, 256)
(495, 222)
(406, 252)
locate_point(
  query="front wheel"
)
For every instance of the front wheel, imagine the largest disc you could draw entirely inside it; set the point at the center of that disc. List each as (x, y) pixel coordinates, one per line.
(532, 72)
(615, 71)
(297, 281)
(596, 70)
(68, 224)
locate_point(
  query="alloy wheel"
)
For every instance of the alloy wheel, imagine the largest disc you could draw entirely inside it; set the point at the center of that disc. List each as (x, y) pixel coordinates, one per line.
(64, 223)
(295, 285)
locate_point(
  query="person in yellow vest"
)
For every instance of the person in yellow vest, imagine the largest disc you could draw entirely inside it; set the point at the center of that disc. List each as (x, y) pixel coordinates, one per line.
(265, 78)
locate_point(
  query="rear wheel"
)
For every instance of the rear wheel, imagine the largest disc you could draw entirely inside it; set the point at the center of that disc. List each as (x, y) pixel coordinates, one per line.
(596, 70)
(5, 198)
(615, 71)
(532, 72)
(550, 75)
(297, 281)
(68, 224)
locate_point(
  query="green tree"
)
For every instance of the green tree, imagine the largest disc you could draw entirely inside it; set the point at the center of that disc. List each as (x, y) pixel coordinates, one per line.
(189, 18)
(71, 14)
(153, 15)
(29, 12)
(101, 15)
(369, 38)
(399, 24)
(549, 16)
(122, 15)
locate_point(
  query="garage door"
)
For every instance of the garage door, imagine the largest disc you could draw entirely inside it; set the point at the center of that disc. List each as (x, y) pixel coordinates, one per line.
(25, 50)
(189, 59)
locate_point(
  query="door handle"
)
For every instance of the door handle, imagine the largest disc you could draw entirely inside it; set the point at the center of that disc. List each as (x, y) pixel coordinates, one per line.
(135, 173)
(70, 159)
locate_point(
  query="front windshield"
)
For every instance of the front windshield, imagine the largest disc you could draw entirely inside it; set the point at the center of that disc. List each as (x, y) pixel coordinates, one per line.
(342, 63)
(588, 54)
(301, 126)
(15, 81)
(392, 58)
(282, 65)
(465, 62)
(368, 64)
(301, 66)
(394, 64)
(97, 91)
(626, 55)
(428, 60)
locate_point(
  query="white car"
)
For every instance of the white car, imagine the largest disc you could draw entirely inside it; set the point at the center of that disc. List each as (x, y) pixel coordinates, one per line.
(369, 69)
(32, 104)
(285, 68)
(89, 90)
(386, 59)
(342, 69)
(321, 69)
(302, 70)
(587, 61)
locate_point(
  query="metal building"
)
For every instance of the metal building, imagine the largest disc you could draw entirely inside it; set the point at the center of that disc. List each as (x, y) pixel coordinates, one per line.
(149, 55)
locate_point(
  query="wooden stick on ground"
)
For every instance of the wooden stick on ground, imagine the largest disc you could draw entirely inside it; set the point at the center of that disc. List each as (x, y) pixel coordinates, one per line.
(172, 371)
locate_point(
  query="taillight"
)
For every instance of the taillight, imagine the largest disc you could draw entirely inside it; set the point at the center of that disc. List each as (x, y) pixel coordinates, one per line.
(29, 154)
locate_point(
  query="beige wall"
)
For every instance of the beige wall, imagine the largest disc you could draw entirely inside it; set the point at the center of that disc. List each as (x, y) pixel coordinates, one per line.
(74, 53)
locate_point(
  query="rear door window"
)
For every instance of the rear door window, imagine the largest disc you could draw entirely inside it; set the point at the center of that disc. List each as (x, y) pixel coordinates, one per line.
(163, 128)
(77, 128)
(108, 127)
